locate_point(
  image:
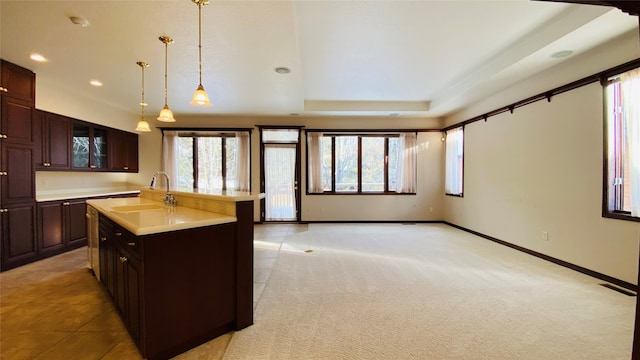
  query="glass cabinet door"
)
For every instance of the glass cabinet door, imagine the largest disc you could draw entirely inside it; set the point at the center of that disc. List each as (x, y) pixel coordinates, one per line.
(100, 149)
(81, 146)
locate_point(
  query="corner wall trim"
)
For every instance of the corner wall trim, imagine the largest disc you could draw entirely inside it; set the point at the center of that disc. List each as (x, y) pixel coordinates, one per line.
(556, 261)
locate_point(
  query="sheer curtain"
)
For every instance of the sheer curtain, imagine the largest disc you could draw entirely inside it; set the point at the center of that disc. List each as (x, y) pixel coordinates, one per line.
(453, 161)
(242, 141)
(406, 172)
(630, 99)
(279, 176)
(169, 157)
(314, 152)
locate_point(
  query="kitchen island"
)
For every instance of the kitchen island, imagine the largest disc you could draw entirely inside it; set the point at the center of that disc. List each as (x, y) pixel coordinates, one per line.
(179, 276)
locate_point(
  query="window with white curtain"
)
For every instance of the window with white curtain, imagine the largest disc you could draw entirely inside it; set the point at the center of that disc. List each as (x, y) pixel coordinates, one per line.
(367, 163)
(622, 164)
(454, 161)
(208, 159)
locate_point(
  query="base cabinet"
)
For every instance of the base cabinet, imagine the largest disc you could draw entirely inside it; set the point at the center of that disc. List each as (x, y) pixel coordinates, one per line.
(62, 226)
(173, 290)
(18, 235)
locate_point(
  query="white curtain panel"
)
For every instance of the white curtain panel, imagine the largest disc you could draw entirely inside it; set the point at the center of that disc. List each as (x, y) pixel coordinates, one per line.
(406, 172)
(630, 98)
(169, 156)
(242, 166)
(314, 152)
(453, 161)
(279, 176)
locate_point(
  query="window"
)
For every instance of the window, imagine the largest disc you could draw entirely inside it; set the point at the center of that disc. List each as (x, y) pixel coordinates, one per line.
(454, 161)
(210, 160)
(622, 178)
(361, 163)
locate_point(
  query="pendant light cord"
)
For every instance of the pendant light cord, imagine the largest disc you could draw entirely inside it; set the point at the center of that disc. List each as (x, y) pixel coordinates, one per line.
(166, 45)
(200, 39)
(142, 103)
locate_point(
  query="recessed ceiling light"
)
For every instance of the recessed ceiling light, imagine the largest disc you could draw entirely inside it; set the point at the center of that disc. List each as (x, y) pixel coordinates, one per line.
(282, 70)
(143, 104)
(38, 58)
(79, 21)
(561, 54)
(95, 83)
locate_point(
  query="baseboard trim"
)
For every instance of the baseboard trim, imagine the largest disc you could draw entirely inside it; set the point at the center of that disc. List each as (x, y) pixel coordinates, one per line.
(557, 261)
(373, 222)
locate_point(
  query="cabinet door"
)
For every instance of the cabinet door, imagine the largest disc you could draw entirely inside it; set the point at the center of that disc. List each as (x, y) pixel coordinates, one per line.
(20, 83)
(133, 287)
(18, 184)
(121, 293)
(124, 151)
(37, 123)
(50, 217)
(18, 235)
(16, 122)
(76, 222)
(131, 142)
(99, 148)
(107, 263)
(57, 141)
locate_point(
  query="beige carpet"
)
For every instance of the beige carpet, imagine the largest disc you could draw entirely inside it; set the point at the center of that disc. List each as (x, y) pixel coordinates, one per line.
(427, 291)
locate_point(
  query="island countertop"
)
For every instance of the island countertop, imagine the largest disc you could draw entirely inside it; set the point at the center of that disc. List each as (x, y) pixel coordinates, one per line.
(157, 217)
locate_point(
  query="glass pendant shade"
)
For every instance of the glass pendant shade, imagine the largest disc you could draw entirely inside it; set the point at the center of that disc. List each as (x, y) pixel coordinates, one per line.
(166, 115)
(200, 97)
(143, 125)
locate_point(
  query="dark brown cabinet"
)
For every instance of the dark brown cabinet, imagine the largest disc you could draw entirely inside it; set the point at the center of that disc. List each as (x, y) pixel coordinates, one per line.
(62, 226)
(124, 151)
(17, 175)
(16, 123)
(120, 266)
(62, 143)
(170, 296)
(18, 234)
(52, 141)
(90, 147)
(17, 82)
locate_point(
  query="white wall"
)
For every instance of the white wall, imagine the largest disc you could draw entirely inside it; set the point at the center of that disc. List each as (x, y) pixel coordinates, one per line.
(540, 170)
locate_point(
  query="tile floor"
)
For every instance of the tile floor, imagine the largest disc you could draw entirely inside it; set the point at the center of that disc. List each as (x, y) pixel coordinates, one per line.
(55, 309)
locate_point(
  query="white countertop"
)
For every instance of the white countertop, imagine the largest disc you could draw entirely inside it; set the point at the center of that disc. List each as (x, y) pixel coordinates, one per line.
(219, 194)
(147, 222)
(52, 195)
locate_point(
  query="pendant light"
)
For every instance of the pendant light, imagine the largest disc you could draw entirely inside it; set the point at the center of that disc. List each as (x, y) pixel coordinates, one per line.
(143, 125)
(166, 115)
(200, 97)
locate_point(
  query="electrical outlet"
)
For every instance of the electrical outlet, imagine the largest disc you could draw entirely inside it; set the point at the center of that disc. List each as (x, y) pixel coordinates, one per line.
(545, 235)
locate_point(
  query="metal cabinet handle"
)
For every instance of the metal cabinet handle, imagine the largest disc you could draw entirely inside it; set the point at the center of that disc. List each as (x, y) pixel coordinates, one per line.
(131, 244)
(123, 259)
(66, 203)
(93, 166)
(118, 234)
(103, 238)
(4, 210)
(126, 168)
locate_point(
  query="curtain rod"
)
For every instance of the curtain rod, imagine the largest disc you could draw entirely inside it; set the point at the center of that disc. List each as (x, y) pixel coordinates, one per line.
(203, 129)
(601, 77)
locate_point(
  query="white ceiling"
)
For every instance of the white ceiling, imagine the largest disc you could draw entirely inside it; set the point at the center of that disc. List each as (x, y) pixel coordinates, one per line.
(414, 58)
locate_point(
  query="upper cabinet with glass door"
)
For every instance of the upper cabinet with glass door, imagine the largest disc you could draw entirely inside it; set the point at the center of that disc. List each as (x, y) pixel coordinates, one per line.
(90, 147)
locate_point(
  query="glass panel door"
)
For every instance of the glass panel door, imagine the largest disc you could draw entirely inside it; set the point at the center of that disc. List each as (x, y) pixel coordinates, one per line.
(280, 182)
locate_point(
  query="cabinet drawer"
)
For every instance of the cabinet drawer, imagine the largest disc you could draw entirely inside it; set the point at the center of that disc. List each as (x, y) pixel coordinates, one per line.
(127, 241)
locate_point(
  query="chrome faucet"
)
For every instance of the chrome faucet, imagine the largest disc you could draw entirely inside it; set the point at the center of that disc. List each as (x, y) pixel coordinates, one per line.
(168, 197)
